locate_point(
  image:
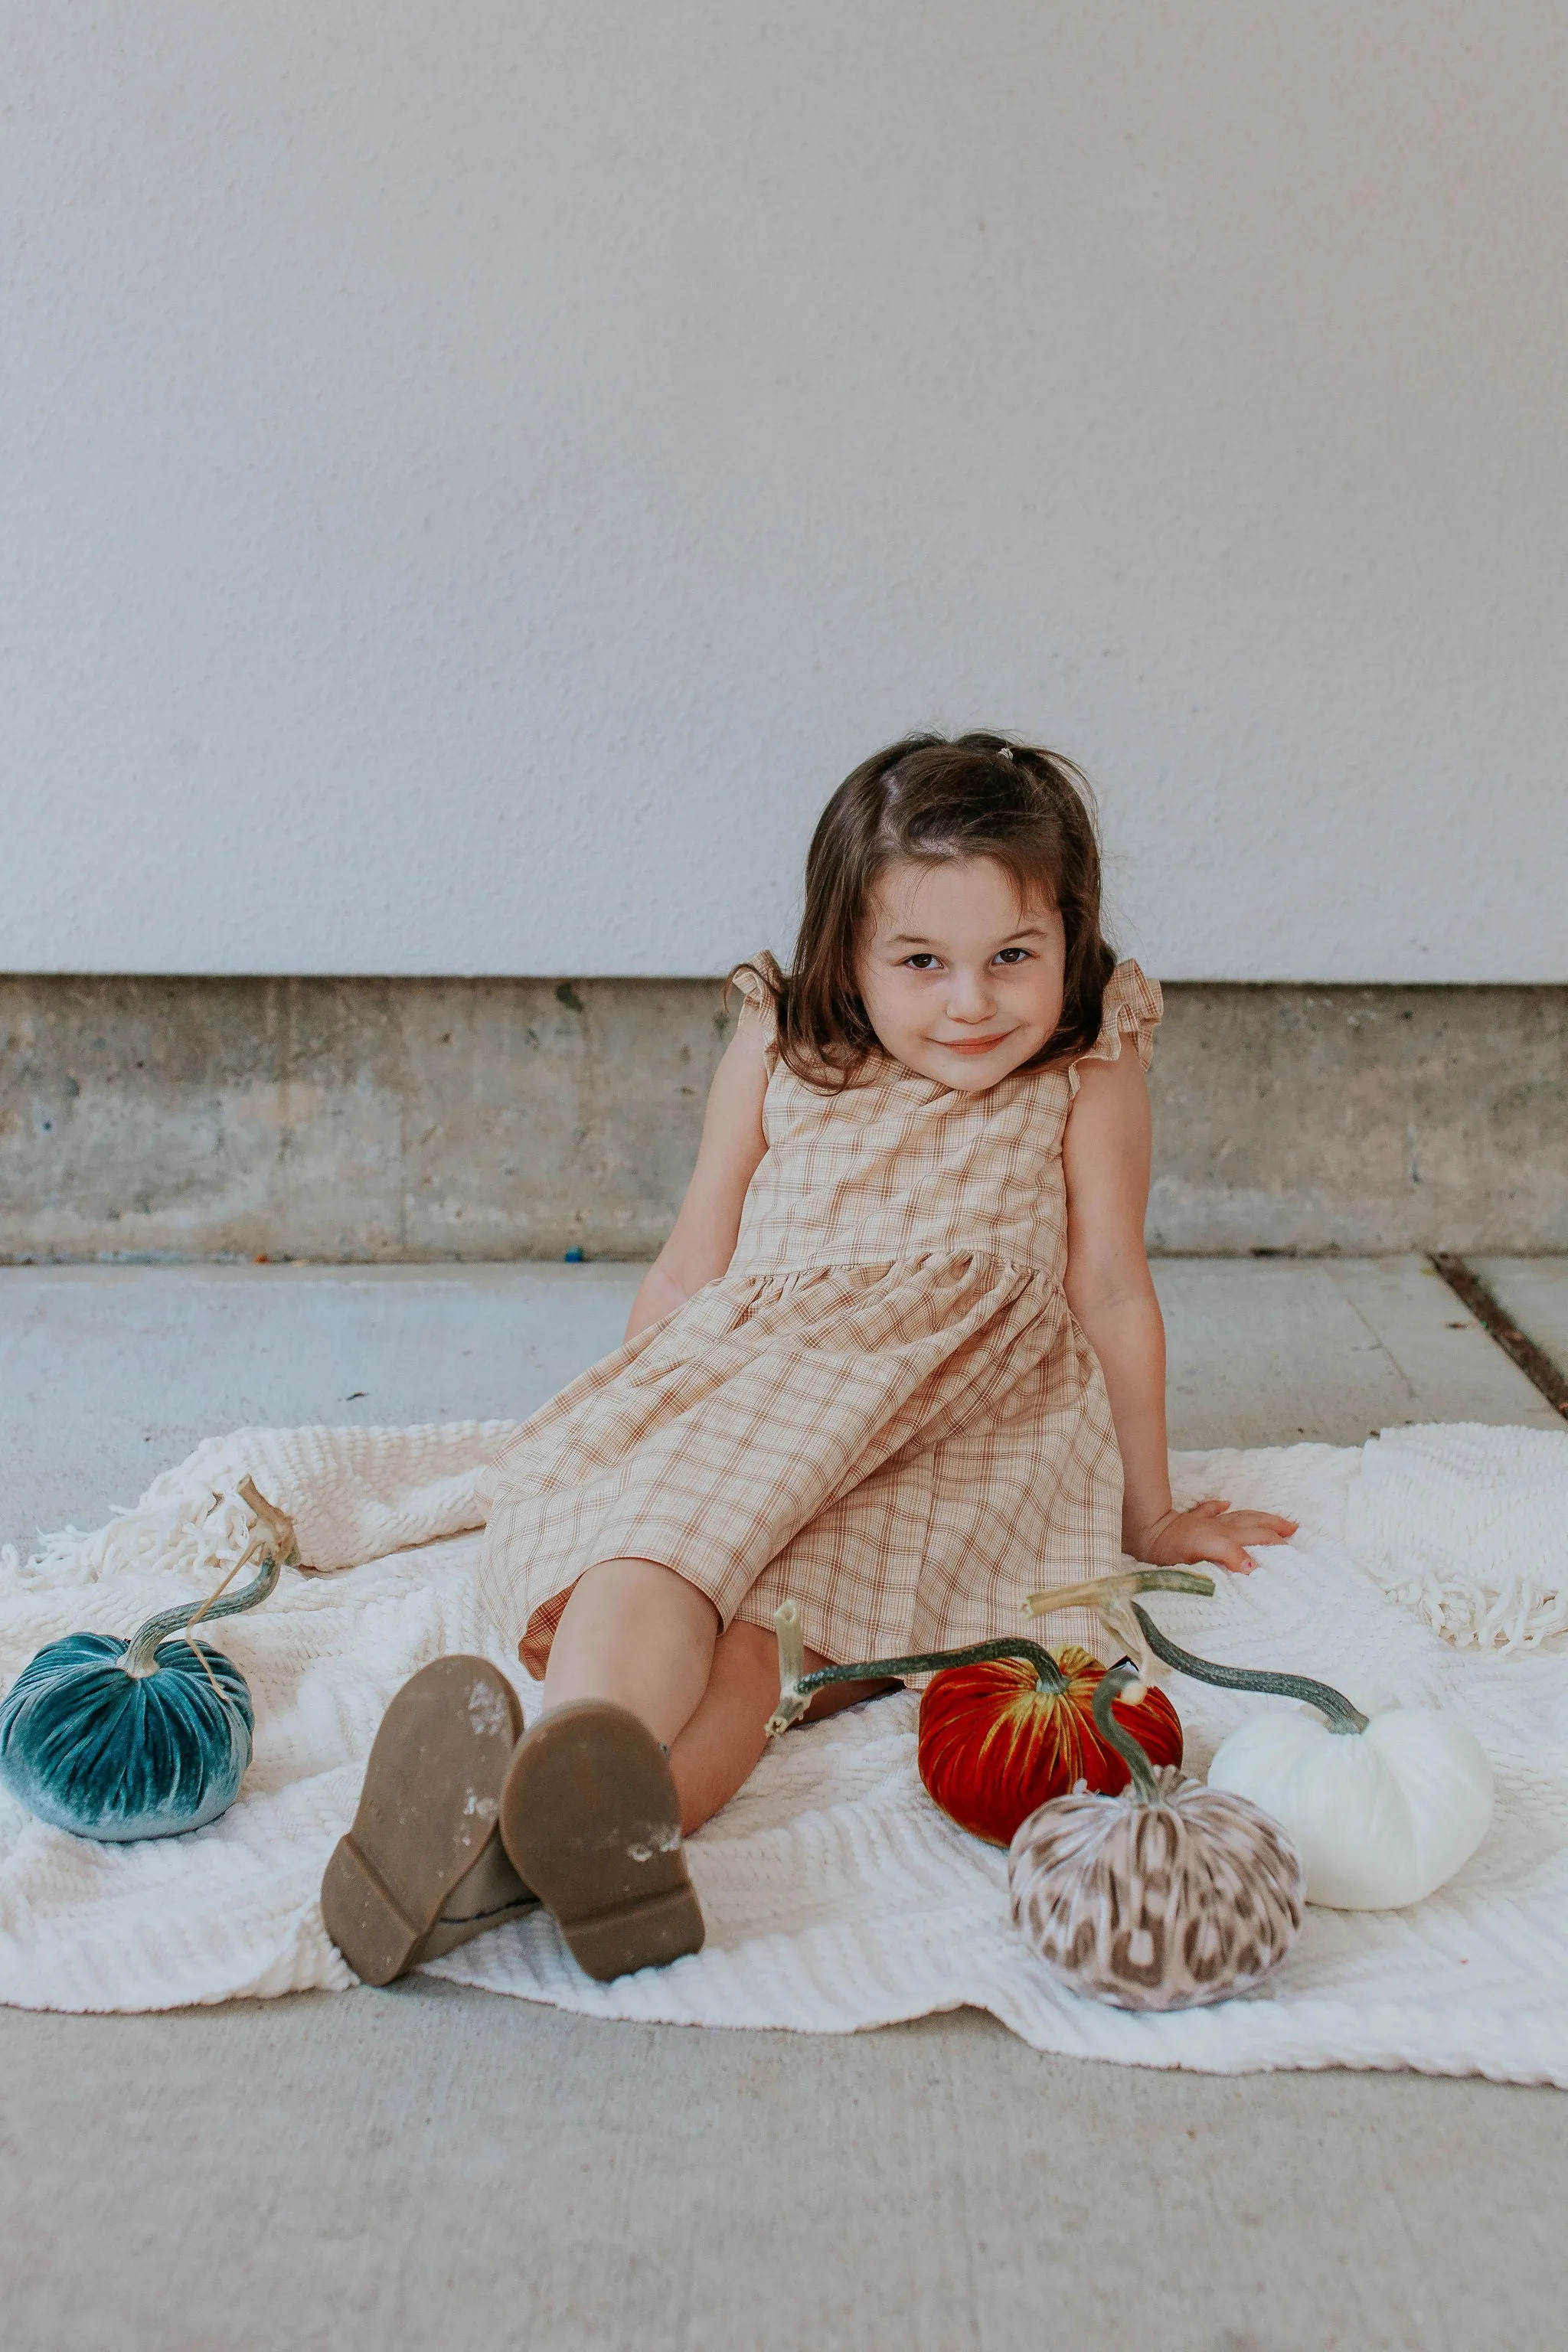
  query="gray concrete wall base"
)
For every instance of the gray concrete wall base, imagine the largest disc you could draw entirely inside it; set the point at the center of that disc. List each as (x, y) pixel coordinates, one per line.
(383, 1120)
(1361, 1120)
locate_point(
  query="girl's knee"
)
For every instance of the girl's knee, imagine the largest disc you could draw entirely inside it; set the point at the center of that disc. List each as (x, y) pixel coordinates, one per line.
(627, 1586)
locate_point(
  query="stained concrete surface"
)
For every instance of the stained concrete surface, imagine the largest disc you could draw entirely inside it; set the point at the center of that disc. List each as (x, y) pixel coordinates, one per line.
(1361, 1120)
(404, 1120)
(439, 2167)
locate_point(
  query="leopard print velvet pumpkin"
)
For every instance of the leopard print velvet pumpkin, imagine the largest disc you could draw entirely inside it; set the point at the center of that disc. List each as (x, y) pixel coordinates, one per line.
(1167, 1896)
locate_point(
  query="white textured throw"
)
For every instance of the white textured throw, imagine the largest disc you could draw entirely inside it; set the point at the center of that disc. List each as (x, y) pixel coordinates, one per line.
(837, 1896)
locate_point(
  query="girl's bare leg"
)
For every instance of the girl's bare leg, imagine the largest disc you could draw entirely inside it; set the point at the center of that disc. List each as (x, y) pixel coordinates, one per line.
(721, 1746)
(639, 1635)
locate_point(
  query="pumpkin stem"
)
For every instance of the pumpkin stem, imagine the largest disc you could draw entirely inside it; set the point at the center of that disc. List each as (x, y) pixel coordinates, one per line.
(1133, 1752)
(1089, 1594)
(796, 1689)
(1341, 1715)
(1110, 1597)
(271, 1542)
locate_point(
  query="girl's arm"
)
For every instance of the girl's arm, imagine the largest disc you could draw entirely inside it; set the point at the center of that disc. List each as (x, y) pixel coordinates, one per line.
(1105, 1155)
(703, 1242)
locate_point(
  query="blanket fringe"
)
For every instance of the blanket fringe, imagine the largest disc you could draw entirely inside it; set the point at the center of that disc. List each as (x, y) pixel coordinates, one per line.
(1523, 1612)
(202, 1534)
(354, 1494)
(1465, 1525)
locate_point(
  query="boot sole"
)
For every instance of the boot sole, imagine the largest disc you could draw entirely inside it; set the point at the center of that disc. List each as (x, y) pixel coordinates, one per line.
(431, 1797)
(591, 1821)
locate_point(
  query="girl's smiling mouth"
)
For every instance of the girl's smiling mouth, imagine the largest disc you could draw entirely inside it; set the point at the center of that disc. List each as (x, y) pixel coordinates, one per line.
(974, 1046)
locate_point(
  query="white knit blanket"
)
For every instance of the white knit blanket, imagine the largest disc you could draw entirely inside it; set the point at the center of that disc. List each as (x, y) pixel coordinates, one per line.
(837, 1896)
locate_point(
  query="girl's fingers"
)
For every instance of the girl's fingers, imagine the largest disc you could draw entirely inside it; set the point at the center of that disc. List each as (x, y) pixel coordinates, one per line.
(1225, 1546)
(1235, 1558)
(1212, 1506)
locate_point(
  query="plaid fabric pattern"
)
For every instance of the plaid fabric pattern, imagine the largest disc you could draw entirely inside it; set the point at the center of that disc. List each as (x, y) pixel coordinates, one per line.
(883, 1409)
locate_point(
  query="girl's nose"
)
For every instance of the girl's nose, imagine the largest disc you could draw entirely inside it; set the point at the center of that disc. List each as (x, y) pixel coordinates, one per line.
(970, 997)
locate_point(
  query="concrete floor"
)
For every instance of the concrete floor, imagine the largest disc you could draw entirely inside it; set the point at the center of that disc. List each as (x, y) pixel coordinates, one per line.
(107, 1374)
(433, 2166)
(1534, 1290)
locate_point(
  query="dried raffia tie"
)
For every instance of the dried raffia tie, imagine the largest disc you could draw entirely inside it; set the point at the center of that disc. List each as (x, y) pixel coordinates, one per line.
(271, 1542)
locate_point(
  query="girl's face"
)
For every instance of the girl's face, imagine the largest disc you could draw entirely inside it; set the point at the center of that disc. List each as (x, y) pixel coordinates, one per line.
(962, 982)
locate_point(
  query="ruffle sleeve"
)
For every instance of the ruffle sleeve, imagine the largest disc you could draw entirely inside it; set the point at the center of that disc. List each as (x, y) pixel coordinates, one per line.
(751, 981)
(1133, 1008)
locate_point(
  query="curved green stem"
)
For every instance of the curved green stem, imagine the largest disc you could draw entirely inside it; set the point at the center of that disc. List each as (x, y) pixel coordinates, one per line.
(1133, 1753)
(1341, 1715)
(271, 1542)
(928, 1661)
(797, 1690)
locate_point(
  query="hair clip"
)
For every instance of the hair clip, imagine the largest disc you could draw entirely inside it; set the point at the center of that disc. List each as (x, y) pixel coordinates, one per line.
(1004, 750)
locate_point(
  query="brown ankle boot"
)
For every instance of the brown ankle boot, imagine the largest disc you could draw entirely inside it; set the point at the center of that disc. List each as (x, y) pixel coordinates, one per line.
(591, 1821)
(422, 1869)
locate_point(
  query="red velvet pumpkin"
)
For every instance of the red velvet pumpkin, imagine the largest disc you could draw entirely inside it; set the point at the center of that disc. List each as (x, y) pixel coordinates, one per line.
(996, 1740)
(1006, 1726)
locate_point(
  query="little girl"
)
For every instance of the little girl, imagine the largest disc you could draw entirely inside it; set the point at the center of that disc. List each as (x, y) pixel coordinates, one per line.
(901, 1360)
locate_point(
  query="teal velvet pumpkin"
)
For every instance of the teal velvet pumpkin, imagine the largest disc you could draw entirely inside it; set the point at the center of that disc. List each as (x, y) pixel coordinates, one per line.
(144, 1738)
(95, 1749)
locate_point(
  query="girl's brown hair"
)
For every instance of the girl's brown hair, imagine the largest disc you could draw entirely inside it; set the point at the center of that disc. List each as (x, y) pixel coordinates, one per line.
(930, 799)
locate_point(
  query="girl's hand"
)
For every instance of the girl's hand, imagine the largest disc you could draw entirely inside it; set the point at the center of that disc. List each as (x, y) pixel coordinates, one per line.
(1212, 1535)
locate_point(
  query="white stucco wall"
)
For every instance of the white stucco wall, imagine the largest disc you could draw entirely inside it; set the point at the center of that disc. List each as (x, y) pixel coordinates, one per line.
(477, 473)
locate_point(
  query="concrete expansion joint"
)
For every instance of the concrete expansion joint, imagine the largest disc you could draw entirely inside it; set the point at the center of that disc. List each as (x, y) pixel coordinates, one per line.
(1541, 1370)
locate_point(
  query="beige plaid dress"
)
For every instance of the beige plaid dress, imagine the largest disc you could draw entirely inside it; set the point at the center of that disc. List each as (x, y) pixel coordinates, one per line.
(884, 1409)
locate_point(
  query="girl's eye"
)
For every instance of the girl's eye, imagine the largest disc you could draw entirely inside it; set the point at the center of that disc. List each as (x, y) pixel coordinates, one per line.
(1012, 955)
(921, 962)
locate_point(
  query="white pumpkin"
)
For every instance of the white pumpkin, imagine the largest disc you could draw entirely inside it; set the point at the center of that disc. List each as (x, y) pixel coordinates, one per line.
(1380, 1817)
(1383, 1809)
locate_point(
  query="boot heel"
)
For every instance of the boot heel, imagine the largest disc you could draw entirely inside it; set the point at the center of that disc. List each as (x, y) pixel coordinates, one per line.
(362, 1917)
(427, 1817)
(647, 1934)
(591, 1821)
